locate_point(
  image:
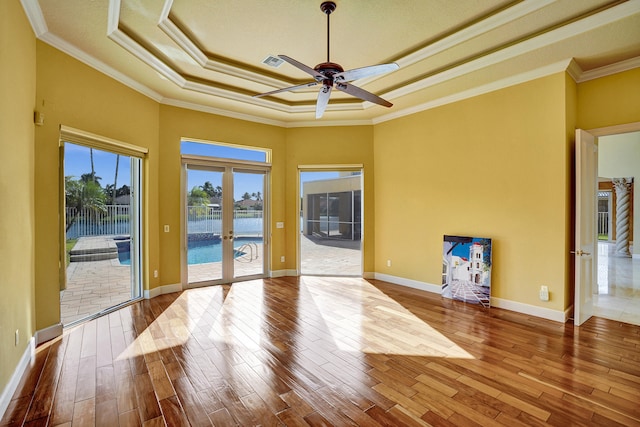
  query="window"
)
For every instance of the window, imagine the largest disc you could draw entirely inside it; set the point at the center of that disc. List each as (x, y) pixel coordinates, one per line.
(225, 151)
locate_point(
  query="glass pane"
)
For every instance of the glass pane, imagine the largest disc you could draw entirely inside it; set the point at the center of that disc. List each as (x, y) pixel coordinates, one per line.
(248, 224)
(100, 221)
(222, 151)
(331, 221)
(204, 225)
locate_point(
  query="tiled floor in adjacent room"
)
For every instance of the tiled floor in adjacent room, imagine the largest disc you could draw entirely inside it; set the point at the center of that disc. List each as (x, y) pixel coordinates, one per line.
(618, 295)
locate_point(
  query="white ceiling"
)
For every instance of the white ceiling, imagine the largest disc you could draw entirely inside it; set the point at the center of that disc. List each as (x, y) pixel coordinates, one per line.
(207, 54)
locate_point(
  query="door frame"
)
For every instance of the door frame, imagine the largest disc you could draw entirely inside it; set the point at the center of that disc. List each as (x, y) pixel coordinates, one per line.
(138, 225)
(329, 168)
(596, 132)
(227, 211)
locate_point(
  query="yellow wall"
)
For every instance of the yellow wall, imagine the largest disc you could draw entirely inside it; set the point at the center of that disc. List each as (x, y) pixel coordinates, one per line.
(18, 89)
(609, 101)
(491, 166)
(329, 146)
(73, 94)
(176, 123)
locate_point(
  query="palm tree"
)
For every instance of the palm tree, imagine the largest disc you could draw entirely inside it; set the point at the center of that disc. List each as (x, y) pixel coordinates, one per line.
(93, 171)
(115, 179)
(83, 196)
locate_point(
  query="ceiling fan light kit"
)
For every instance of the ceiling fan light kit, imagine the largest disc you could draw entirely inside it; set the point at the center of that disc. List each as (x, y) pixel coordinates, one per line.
(330, 75)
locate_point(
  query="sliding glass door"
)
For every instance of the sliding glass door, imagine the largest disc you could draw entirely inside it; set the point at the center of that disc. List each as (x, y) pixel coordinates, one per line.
(102, 216)
(331, 217)
(224, 222)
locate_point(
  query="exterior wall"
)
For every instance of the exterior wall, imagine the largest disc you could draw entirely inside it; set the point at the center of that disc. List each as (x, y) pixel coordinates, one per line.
(512, 144)
(73, 94)
(17, 228)
(349, 183)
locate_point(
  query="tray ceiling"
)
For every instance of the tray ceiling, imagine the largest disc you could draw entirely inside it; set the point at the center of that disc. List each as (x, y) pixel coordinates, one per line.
(208, 55)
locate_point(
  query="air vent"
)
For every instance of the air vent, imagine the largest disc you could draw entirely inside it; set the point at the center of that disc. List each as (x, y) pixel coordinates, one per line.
(273, 61)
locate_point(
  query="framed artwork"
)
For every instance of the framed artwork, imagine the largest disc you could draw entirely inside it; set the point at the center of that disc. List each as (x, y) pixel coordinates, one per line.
(466, 269)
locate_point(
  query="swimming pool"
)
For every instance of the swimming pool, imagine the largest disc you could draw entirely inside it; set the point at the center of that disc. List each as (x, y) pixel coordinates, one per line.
(199, 251)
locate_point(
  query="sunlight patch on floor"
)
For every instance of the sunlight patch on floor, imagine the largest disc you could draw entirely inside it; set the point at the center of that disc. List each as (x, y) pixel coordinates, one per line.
(361, 318)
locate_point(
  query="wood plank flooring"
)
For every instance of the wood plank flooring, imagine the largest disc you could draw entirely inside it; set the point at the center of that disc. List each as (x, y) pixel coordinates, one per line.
(329, 351)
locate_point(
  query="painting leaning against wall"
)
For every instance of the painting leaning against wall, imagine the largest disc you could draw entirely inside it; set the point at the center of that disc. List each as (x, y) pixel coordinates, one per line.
(466, 269)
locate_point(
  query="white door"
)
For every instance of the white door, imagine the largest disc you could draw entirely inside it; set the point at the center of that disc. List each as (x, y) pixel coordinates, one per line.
(586, 220)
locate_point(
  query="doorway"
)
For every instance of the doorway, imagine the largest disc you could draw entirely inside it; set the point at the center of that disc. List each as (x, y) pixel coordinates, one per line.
(331, 221)
(617, 296)
(102, 211)
(225, 221)
(615, 290)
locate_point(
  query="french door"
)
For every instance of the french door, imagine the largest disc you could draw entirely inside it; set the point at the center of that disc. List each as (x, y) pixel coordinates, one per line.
(224, 221)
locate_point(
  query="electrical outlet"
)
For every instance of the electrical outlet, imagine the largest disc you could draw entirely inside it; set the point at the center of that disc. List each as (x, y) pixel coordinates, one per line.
(388, 263)
(282, 258)
(166, 228)
(155, 273)
(17, 337)
(544, 293)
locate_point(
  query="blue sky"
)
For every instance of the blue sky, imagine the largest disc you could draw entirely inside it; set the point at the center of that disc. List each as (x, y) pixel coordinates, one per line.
(462, 250)
(77, 162)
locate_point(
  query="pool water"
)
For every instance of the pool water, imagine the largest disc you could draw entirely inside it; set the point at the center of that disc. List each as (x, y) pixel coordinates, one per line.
(200, 252)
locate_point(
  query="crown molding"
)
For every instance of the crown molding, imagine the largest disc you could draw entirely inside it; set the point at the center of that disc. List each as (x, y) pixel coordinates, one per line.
(573, 29)
(484, 26)
(574, 70)
(36, 18)
(608, 70)
(607, 16)
(548, 70)
(98, 65)
(221, 112)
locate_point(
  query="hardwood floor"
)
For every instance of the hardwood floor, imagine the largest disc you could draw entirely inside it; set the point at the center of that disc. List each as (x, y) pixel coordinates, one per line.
(324, 351)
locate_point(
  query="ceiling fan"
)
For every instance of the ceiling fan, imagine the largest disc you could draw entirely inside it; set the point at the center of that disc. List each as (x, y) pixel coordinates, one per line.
(331, 75)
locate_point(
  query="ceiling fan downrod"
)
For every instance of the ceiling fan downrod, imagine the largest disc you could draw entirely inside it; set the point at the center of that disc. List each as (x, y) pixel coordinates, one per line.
(328, 7)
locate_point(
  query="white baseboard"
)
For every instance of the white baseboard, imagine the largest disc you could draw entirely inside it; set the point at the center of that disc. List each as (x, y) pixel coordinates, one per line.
(532, 310)
(369, 275)
(545, 313)
(283, 273)
(47, 334)
(159, 290)
(423, 286)
(12, 385)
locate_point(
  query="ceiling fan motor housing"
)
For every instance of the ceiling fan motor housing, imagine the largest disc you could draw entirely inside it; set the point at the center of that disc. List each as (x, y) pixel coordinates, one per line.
(328, 7)
(328, 69)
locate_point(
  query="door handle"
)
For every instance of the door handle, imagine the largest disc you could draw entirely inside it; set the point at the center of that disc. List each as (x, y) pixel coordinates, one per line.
(580, 252)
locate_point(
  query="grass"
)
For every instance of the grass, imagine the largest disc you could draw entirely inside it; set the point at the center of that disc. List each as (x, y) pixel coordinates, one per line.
(70, 244)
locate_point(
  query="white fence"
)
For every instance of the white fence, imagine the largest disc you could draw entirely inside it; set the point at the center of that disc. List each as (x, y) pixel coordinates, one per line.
(86, 222)
(114, 220)
(603, 223)
(204, 219)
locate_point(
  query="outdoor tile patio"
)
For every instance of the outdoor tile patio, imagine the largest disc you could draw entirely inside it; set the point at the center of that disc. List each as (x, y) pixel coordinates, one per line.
(94, 286)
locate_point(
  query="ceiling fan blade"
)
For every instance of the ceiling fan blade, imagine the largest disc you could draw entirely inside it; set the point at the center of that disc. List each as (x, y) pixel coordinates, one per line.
(359, 73)
(323, 100)
(286, 89)
(362, 94)
(316, 75)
